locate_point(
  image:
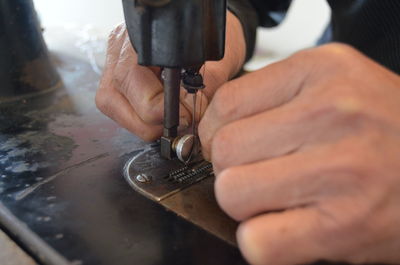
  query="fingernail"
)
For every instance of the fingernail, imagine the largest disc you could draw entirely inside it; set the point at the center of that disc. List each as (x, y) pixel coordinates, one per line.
(183, 123)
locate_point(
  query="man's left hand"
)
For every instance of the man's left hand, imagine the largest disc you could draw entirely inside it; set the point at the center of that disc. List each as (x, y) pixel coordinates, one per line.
(307, 156)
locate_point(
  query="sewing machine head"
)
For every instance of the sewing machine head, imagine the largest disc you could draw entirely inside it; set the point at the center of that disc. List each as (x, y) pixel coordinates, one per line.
(179, 36)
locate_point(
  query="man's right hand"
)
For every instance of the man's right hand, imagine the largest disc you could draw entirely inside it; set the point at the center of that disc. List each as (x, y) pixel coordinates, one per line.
(132, 95)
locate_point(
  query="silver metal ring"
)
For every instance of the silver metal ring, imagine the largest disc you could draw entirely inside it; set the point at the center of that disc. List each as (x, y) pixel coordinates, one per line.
(184, 147)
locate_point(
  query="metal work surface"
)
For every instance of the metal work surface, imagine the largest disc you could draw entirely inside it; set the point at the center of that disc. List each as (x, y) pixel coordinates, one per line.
(61, 177)
(158, 178)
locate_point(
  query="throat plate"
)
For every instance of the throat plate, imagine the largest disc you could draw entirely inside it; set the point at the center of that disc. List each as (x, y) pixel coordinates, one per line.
(158, 178)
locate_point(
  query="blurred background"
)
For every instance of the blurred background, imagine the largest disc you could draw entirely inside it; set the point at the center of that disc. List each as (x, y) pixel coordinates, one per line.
(87, 24)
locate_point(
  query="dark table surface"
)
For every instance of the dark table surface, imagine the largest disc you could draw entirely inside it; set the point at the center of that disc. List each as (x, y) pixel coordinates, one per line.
(62, 194)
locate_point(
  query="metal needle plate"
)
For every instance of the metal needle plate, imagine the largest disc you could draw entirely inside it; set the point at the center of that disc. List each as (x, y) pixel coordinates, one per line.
(158, 178)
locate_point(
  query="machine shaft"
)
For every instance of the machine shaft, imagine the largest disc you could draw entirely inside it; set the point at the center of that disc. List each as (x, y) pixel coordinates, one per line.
(172, 81)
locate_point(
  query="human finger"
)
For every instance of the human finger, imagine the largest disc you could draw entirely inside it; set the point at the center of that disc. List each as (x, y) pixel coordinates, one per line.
(284, 130)
(142, 88)
(251, 94)
(217, 73)
(285, 238)
(115, 42)
(116, 106)
(290, 181)
(110, 101)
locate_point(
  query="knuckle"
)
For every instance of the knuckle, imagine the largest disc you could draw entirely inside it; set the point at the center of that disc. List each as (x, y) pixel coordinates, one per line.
(340, 57)
(329, 58)
(336, 51)
(111, 39)
(116, 33)
(347, 105)
(115, 41)
(344, 108)
(102, 101)
(149, 113)
(350, 108)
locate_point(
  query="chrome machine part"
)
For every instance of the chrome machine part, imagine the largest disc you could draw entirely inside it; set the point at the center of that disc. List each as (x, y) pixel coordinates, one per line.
(158, 178)
(193, 81)
(194, 125)
(172, 145)
(184, 147)
(176, 35)
(186, 189)
(172, 80)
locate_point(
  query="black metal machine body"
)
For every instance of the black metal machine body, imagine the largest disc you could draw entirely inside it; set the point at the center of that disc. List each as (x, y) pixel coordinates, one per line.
(179, 36)
(176, 33)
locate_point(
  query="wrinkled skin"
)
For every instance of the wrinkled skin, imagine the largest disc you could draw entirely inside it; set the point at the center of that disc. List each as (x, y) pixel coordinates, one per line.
(306, 150)
(307, 158)
(132, 95)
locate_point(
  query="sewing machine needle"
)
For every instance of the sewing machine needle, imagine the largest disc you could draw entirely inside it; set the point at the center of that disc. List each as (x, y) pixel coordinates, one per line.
(194, 129)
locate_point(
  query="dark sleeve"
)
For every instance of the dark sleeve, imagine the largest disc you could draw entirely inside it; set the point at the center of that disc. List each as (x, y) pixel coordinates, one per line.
(254, 13)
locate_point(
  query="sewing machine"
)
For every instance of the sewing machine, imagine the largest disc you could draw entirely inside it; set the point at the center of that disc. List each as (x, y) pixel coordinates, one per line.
(179, 36)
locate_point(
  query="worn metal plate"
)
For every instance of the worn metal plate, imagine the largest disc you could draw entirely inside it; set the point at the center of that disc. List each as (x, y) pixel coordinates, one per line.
(158, 178)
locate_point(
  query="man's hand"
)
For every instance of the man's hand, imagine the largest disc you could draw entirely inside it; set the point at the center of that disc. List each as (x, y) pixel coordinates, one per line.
(132, 95)
(307, 156)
